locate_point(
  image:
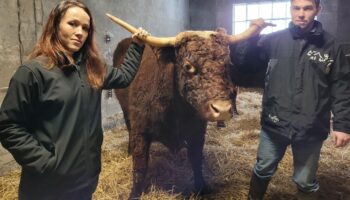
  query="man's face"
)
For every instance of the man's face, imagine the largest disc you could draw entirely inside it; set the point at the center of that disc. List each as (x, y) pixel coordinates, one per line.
(303, 13)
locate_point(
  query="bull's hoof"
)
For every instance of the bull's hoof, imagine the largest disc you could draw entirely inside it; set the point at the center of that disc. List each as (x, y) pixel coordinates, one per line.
(135, 194)
(204, 190)
(134, 197)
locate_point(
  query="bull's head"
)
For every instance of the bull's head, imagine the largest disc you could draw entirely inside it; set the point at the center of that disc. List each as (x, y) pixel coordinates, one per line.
(201, 64)
(202, 75)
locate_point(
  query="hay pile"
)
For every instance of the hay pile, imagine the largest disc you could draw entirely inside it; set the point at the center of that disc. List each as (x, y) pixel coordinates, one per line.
(229, 154)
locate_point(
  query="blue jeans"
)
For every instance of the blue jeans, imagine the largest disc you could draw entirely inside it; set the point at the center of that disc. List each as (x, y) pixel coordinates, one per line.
(305, 158)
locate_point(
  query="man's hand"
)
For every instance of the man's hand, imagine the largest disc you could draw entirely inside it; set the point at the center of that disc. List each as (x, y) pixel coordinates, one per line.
(139, 36)
(261, 24)
(340, 139)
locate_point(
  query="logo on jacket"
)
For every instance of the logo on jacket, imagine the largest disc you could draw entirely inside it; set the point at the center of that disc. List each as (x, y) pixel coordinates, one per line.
(324, 59)
(274, 119)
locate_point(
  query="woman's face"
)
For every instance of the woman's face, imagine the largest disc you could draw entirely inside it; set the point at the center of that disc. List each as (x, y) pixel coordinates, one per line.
(74, 29)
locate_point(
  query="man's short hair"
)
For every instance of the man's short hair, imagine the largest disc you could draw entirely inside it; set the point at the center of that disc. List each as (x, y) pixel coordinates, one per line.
(317, 2)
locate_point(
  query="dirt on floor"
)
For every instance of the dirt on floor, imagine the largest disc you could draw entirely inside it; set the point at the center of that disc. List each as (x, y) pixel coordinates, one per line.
(229, 155)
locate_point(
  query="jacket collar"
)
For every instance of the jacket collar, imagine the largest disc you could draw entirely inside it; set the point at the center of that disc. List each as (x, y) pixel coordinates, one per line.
(316, 31)
(78, 57)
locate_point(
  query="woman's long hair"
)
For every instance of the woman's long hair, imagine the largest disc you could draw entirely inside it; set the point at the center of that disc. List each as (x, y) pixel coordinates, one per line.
(50, 46)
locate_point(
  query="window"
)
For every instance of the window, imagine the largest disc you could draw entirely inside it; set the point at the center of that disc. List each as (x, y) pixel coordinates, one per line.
(276, 12)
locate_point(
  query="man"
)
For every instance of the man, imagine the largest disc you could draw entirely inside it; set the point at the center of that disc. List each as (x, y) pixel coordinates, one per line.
(307, 78)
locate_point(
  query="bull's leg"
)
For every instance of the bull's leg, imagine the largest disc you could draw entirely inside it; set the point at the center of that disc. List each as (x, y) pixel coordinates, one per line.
(234, 108)
(140, 153)
(195, 155)
(127, 122)
(233, 97)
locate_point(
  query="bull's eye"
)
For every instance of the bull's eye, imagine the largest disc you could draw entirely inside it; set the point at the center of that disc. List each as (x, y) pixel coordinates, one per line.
(190, 68)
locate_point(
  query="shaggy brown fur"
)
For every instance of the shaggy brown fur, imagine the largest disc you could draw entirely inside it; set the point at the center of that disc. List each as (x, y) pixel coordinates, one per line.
(166, 103)
(210, 58)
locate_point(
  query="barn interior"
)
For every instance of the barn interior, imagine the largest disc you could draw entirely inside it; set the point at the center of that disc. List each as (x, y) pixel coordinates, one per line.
(229, 157)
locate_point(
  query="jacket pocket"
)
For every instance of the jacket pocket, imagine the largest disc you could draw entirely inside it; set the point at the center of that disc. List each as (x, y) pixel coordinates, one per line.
(51, 163)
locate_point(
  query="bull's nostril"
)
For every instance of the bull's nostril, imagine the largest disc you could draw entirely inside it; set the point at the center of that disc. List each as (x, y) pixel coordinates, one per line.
(215, 109)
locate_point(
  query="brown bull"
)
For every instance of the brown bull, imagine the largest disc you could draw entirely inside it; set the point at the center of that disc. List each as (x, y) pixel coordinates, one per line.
(181, 84)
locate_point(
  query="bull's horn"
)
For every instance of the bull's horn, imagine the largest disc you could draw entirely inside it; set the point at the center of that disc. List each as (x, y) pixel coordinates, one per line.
(155, 41)
(251, 31)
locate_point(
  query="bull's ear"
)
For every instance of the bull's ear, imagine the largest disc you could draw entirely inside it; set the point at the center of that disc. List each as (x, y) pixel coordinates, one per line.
(166, 54)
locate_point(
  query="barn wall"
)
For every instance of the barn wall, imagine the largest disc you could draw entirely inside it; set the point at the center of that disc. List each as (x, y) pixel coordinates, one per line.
(343, 28)
(21, 24)
(202, 15)
(329, 16)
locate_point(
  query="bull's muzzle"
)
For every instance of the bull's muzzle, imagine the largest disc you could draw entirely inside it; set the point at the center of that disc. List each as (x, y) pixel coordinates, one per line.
(220, 110)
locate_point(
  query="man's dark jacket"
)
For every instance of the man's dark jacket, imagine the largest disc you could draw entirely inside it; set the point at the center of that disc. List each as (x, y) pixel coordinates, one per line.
(307, 76)
(50, 121)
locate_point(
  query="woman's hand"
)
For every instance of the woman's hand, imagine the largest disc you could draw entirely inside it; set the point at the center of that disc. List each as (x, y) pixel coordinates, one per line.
(140, 36)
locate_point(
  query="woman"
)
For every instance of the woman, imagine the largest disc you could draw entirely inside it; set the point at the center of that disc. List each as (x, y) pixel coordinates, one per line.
(50, 119)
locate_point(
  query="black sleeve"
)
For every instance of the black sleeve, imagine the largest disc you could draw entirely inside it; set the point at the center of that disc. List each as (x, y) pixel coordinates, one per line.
(340, 92)
(16, 112)
(121, 77)
(250, 56)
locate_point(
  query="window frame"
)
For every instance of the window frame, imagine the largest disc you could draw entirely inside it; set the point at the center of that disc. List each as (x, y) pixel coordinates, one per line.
(281, 21)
